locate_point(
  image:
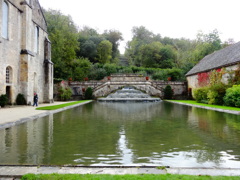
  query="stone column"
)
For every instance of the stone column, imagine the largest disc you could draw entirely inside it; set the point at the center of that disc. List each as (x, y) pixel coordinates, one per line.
(26, 52)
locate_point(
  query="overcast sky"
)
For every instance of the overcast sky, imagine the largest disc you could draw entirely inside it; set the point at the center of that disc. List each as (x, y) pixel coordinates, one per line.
(172, 18)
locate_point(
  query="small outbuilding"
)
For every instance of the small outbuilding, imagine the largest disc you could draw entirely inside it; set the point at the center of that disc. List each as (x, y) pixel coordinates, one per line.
(226, 60)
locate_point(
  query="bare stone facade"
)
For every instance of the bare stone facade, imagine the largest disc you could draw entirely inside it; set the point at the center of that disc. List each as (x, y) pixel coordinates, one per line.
(25, 51)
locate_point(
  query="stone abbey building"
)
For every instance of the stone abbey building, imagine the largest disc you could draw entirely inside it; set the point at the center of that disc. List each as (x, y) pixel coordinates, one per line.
(25, 51)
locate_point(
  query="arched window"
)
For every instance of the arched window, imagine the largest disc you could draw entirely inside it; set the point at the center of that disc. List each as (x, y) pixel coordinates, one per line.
(8, 74)
(5, 20)
(36, 45)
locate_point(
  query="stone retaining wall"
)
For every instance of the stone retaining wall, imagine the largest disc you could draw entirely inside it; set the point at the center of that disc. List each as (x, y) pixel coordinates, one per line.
(115, 82)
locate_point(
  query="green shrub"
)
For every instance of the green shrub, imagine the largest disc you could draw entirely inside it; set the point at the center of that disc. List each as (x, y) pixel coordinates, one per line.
(126, 70)
(160, 75)
(3, 100)
(216, 93)
(65, 93)
(232, 97)
(89, 93)
(175, 74)
(143, 73)
(20, 100)
(200, 95)
(97, 74)
(168, 92)
(212, 97)
(110, 69)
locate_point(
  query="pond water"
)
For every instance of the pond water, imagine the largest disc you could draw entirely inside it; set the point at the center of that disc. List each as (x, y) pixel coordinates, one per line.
(158, 134)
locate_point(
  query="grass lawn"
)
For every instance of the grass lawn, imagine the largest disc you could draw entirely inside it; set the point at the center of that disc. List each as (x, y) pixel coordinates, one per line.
(124, 177)
(206, 105)
(60, 105)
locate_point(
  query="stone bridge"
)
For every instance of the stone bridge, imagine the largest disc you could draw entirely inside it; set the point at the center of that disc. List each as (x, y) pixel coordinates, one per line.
(114, 82)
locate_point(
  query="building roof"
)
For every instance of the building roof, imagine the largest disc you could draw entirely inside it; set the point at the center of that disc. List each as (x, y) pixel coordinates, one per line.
(222, 58)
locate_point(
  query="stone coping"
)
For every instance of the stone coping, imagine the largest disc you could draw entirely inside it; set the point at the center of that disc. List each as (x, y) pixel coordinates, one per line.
(128, 99)
(18, 171)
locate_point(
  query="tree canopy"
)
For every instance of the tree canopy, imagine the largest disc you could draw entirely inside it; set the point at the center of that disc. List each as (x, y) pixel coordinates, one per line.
(63, 35)
(84, 52)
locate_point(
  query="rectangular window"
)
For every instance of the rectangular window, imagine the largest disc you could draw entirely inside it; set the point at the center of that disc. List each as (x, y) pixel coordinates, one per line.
(36, 45)
(7, 75)
(5, 20)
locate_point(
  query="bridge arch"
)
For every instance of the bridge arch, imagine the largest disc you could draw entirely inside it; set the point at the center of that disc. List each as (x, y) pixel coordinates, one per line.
(114, 82)
(109, 87)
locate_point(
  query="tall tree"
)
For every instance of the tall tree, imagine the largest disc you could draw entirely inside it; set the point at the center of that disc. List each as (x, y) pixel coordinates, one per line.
(156, 55)
(63, 35)
(141, 37)
(114, 37)
(104, 52)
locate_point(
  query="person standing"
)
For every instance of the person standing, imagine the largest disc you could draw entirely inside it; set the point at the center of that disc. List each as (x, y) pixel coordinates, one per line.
(35, 99)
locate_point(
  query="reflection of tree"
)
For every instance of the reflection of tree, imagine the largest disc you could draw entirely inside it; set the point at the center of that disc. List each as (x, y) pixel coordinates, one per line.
(99, 133)
(217, 129)
(233, 121)
(83, 135)
(209, 155)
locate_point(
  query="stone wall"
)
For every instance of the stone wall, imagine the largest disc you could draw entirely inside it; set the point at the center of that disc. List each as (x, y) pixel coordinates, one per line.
(27, 66)
(114, 82)
(193, 79)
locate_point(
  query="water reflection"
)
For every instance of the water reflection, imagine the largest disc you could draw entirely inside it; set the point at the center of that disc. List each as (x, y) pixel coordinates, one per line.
(126, 134)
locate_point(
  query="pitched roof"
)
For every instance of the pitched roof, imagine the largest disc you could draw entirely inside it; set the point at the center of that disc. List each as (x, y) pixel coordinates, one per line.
(224, 57)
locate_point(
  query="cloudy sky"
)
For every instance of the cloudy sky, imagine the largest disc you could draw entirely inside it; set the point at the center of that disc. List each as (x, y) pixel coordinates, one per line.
(172, 18)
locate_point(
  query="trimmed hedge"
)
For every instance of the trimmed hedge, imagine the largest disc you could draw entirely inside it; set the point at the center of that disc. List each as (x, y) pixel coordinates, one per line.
(3, 100)
(20, 100)
(168, 92)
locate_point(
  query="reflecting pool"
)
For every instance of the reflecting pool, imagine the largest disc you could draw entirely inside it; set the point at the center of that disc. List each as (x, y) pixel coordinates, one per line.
(159, 134)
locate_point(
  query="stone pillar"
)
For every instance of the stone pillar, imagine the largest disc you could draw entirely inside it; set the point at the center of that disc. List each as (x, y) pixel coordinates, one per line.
(26, 52)
(48, 72)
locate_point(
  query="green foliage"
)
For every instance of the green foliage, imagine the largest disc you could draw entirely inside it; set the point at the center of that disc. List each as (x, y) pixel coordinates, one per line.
(89, 93)
(160, 75)
(110, 69)
(142, 73)
(65, 93)
(20, 100)
(81, 69)
(3, 100)
(126, 70)
(168, 92)
(215, 77)
(114, 37)
(97, 73)
(64, 38)
(90, 41)
(216, 93)
(104, 52)
(175, 74)
(150, 50)
(234, 76)
(200, 95)
(163, 74)
(212, 97)
(88, 49)
(232, 97)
